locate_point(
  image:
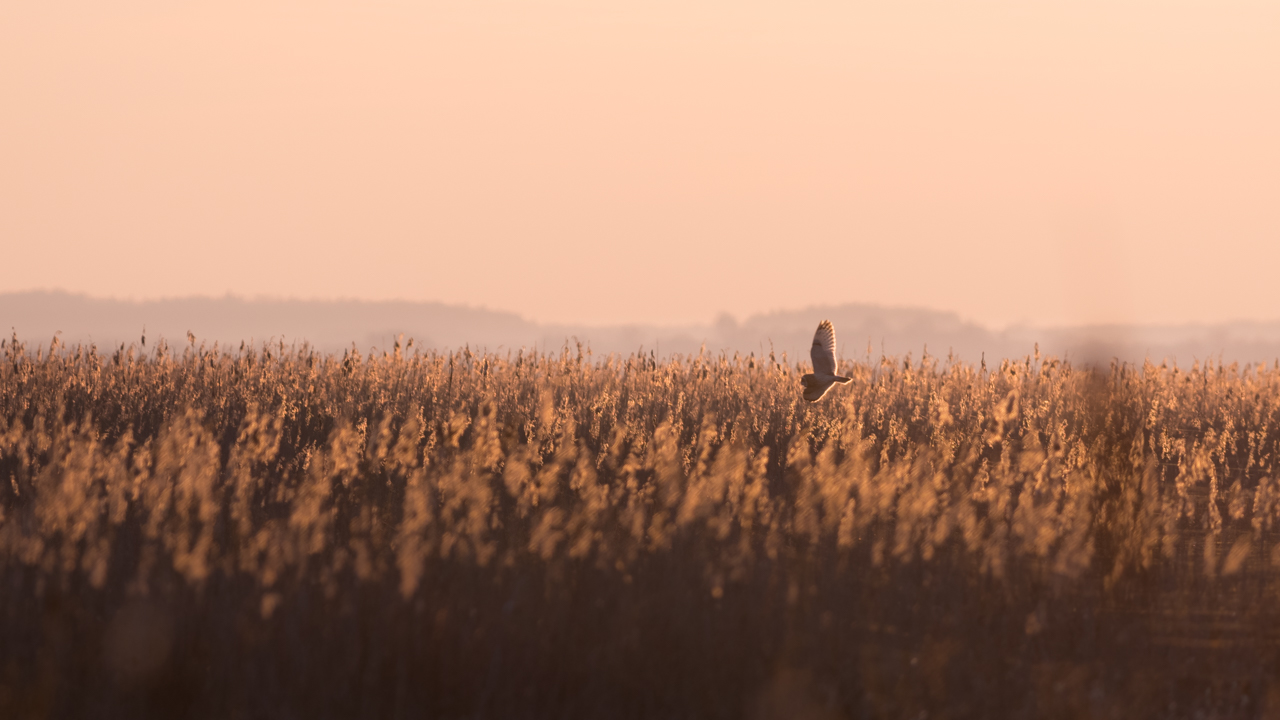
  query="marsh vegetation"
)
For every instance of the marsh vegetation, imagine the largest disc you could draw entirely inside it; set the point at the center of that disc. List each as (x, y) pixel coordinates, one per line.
(274, 532)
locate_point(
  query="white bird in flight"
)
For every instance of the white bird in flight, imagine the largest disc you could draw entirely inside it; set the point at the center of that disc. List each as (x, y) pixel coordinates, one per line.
(823, 353)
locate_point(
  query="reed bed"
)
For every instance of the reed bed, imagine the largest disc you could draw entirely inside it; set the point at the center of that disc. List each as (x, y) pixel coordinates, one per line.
(272, 532)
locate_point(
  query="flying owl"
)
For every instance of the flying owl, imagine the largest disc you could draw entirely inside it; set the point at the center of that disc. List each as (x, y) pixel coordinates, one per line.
(823, 353)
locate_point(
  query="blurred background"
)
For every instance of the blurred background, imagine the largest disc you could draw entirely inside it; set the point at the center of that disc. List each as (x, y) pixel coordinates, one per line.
(863, 332)
(1096, 176)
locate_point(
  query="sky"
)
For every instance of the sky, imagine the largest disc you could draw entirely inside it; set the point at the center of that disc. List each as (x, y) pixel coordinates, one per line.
(1047, 162)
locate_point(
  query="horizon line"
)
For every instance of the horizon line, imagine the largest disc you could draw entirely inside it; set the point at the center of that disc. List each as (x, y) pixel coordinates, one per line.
(715, 320)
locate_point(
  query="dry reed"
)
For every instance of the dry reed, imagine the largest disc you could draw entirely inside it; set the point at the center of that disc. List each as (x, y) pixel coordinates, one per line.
(275, 532)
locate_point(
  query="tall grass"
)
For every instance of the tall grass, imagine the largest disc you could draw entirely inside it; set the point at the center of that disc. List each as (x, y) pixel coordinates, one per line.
(271, 532)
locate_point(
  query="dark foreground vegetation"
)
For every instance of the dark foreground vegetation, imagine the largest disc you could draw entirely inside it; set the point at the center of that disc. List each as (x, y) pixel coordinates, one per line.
(272, 533)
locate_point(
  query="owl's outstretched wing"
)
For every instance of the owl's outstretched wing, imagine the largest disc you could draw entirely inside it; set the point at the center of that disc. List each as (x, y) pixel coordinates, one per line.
(823, 351)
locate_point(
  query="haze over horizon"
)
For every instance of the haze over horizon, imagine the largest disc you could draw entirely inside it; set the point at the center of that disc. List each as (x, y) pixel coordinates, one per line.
(714, 318)
(863, 331)
(1050, 164)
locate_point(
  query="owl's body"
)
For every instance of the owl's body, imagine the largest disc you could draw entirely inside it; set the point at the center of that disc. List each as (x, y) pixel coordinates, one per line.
(823, 354)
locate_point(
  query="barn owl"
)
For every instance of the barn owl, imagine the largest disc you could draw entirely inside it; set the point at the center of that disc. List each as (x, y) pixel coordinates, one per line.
(823, 353)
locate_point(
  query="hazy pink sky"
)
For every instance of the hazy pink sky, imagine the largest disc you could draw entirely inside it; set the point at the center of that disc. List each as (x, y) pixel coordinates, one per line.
(1048, 161)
